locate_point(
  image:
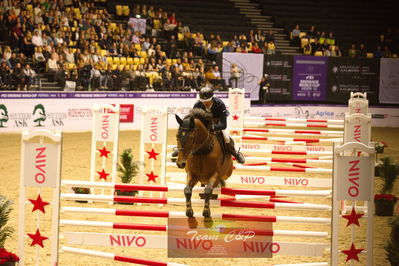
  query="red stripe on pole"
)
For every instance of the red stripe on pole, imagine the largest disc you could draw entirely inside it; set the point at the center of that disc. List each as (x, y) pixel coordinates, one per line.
(141, 187)
(234, 191)
(307, 140)
(284, 201)
(246, 204)
(161, 214)
(254, 138)
(274, 119)
(324, 126)
(139, 261)
(256, 130)
(140, 200)
(276, 124)
(290, 152)
(307, 132)
(287, 169)
(146, 227)
(302, 166)
(254, 218)
(317, 120)
(255, 164)
(288, 160)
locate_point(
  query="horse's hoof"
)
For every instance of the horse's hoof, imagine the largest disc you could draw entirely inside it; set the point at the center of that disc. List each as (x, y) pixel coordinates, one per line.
(190, 213)
(206, 213)
(208, 222)
(192, 222)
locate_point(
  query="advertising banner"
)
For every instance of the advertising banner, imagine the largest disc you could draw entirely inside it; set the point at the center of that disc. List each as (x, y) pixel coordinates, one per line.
(389, 81)
(72, 111)
(309, 78)
(347, 75)
(278, 69)
(251, 66)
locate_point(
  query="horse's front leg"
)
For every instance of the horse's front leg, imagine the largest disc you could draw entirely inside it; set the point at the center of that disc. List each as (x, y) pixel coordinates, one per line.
(188, 192)
(207, 195)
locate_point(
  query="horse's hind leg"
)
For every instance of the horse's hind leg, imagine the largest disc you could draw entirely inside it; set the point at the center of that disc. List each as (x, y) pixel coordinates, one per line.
(188, 192)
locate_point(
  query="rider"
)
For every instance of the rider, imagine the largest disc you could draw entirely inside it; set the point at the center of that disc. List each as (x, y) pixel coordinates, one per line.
(219, 113)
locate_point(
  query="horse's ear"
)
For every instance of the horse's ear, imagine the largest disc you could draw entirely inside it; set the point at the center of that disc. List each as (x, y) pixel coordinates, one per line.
(192, 122)
(178, 119)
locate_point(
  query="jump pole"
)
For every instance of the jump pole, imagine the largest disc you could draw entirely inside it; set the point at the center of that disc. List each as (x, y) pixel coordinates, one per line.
(105, 130)
(154, 132)
(40, 168)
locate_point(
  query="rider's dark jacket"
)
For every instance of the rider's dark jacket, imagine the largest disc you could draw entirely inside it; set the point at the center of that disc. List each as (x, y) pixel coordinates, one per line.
(219, 113)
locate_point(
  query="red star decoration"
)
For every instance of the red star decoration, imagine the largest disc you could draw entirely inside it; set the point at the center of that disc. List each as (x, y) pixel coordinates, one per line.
(103, 175)
(37, 238)
(352, 253)
(153, 154)
(39, 204)
(353, 218)
(235, 117)
(151, 177)
(104, 152)
(234, 132)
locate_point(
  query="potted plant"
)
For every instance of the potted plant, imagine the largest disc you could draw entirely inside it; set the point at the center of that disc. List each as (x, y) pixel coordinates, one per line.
(379, 149)
(81, 190)
(392, 248)
(385, 201)
(128, 169)
(6, 257)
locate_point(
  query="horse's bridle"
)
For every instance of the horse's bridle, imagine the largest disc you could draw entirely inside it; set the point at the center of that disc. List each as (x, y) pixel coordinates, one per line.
(184, 131)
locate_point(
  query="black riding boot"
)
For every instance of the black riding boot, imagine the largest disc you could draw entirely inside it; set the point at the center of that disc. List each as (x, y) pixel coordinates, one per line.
(237, 154)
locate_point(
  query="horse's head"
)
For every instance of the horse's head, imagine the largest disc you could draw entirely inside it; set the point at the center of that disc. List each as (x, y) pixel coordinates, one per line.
(185, 139)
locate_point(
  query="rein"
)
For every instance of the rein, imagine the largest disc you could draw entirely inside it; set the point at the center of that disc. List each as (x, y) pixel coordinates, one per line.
(205, 147)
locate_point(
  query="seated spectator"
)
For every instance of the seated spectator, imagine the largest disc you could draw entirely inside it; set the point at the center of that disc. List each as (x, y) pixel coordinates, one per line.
(295, 36)
(387, 53)
(37, 39)
(255, 48)
(329, 51)
(336, 52)
(5, 60)
(5, 76)
(95, 78)
(307, 48)
(270, 37)
(271, 48)
(18, 77)
(378, 52)
(311, 33)
(362, 51)
(229, 48)
(330, 39)
(30, 76)
(352, 52)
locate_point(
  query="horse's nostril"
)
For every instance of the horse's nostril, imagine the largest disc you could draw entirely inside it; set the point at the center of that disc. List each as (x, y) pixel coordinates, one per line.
(183, 165)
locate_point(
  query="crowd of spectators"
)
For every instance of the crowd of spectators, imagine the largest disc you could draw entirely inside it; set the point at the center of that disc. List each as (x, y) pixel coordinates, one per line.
(314, 42)
(79, 45)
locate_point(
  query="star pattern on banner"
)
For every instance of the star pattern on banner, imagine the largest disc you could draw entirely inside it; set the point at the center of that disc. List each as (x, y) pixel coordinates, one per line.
(353, 218)
(103, 174)
(352, 253)
(104, 152)
(152, 154)
(39, 204)
(37, 238)
(235, 117)
(151, 177)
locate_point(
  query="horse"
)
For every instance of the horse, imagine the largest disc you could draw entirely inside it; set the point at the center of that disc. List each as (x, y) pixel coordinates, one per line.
(201, 155)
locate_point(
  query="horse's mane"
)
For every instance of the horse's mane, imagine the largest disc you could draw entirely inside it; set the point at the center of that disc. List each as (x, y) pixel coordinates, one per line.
(202, 115)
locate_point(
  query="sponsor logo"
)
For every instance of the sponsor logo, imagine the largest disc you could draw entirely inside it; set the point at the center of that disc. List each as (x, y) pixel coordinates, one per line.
(3, 115)
(39, 115)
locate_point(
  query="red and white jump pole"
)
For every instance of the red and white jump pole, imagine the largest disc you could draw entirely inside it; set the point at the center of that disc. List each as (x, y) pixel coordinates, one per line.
(292, 131)
(314, 140)
(173, 214)
(198, 202)
(300, 125)
(296, 120)
(164, 228)
(170, 188)
(115, 257)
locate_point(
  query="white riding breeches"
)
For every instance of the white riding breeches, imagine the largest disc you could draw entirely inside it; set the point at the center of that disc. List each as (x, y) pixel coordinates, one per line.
(226, 135)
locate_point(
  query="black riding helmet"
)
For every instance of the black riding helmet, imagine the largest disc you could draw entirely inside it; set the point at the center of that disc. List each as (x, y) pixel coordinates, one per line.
(205, 94)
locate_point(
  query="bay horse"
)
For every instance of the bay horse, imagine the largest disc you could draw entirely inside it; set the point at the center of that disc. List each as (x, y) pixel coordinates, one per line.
(201, 155)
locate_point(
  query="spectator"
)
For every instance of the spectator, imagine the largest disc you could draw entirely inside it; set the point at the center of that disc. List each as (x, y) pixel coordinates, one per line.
(255, 48)
(329, 51)
(362, 51)
(271, 48)
(264, 85)
(387, 53)
(30, 77)
(330, 39)
(235, 74)
(37, 39)
(307, 48)
(269, 37)
(336, 52)
(294, 36)
(378, 52)
(311, 33)
(18, 77)
(352, 52)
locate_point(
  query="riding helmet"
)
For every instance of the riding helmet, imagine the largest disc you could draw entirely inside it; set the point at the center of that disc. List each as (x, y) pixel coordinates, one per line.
(205, 94)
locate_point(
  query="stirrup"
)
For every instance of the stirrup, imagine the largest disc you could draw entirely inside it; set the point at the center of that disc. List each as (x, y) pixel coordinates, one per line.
(240, 157)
